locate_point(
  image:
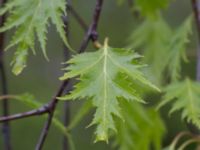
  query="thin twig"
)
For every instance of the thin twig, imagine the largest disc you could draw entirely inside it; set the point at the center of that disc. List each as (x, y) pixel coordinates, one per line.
(82, 23)
(51, 110)
(79, 19)
(66, 111)
(92, 31)
(178, 137)
(5, 104)
(6, 97)
(196, 10)
(185, 144)
(35, 112)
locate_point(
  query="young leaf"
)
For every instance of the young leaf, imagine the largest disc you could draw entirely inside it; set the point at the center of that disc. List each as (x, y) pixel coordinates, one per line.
(147, 8)
(148, 38)
(168, 47)
(28, 100)
(177, 48)
(140, 130)
(30, 17)
(99, 80)
(151, 9)
(185, 97)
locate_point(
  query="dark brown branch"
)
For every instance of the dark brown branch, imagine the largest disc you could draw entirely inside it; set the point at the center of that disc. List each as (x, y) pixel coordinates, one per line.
(82, 24)
(92, 31)
(34, 112)
(51, 110)
(5, 104)
(42, 110)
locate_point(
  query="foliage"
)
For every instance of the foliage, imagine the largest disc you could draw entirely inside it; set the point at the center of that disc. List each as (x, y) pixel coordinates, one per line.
(148, 38)
(140, 129)
(185, 96)
(30, 17)
(168, 47)
(177, 49)
(148, 9)
(111, 79)
(104, 77)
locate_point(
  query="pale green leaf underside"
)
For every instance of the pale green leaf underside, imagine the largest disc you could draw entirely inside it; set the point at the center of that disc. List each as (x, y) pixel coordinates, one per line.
(185, 97)
(31, 18)
(102, 75)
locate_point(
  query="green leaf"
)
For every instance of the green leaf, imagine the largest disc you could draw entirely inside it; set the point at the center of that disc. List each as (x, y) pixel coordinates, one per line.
(29, 18)
(149, 39)
(101, 77)
(168, 47)
(150, 9)
(185, 97)
(141, 129)
(28, 100)
(177, 49)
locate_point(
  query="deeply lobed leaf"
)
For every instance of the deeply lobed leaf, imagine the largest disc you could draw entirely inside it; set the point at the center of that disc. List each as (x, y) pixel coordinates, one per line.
(185, 97)
(103, 77)
(177, 49)
(148, 38)
(30, 17)
(161, 44)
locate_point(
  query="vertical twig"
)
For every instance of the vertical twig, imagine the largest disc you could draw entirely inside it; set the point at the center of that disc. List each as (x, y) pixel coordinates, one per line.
(92, 31)
(5, 104)
(196, 11)
(66, 115)
(77, 17)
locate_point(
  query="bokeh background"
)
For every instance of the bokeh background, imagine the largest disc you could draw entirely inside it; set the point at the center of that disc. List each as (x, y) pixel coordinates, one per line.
(41, 77)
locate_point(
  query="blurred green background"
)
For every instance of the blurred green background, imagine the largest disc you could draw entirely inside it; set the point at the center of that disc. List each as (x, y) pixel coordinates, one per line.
(41, 77)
